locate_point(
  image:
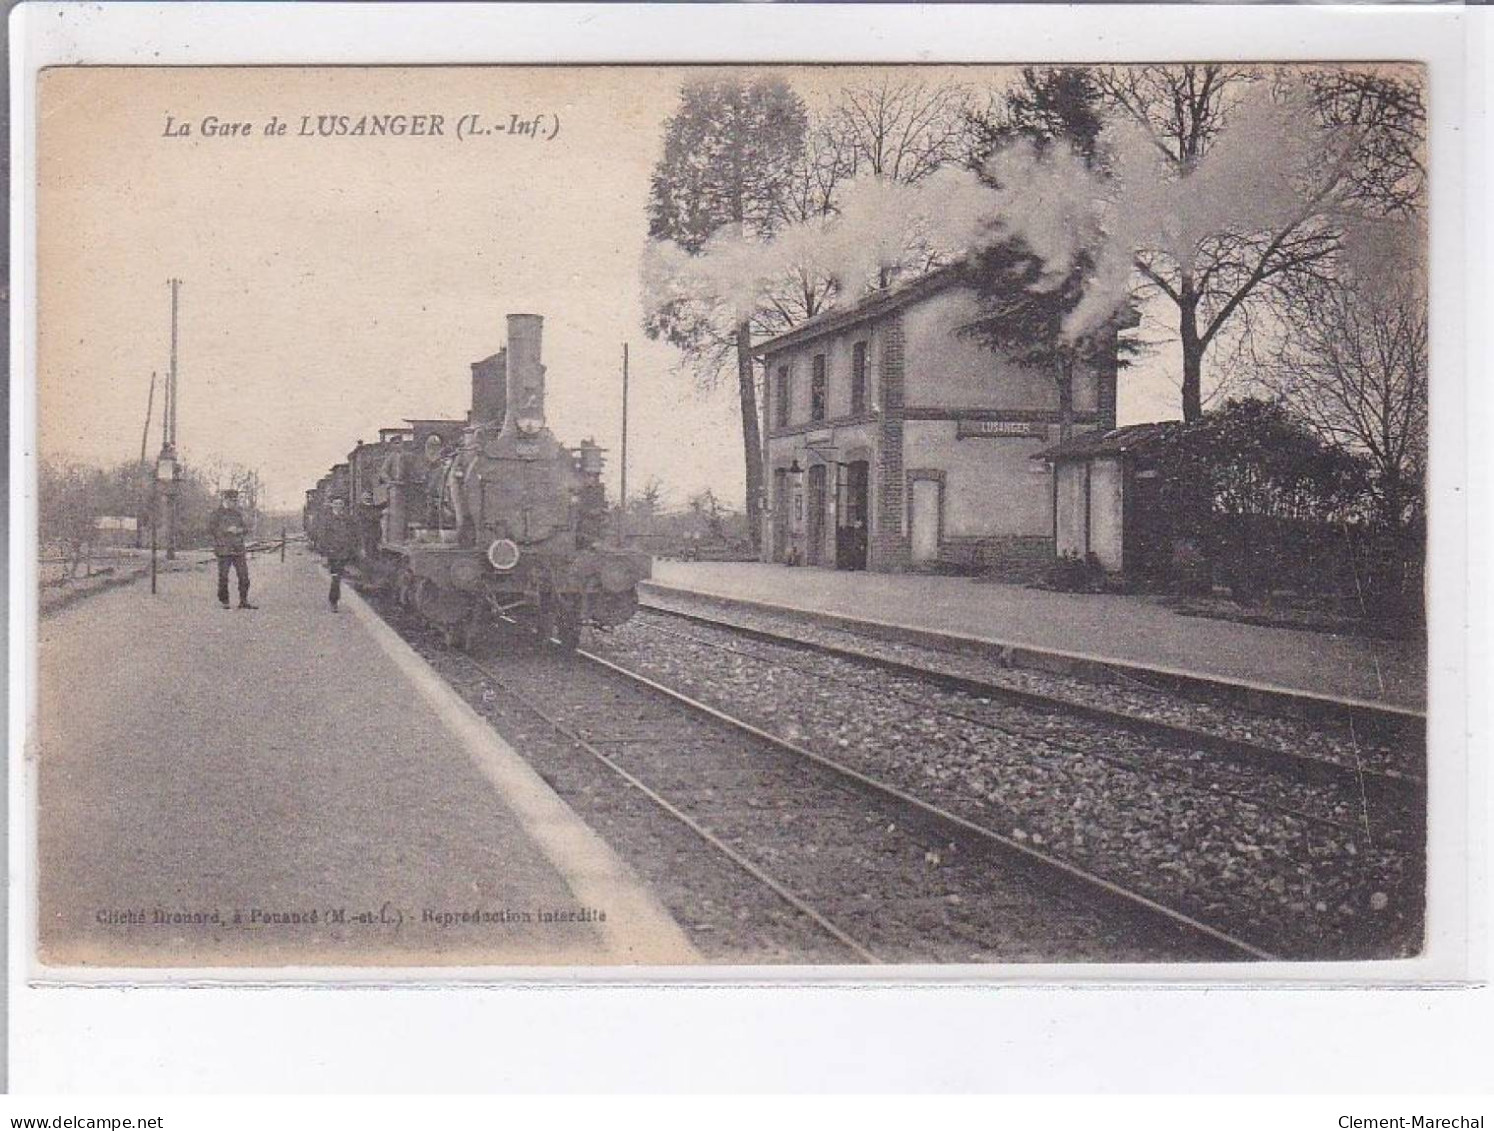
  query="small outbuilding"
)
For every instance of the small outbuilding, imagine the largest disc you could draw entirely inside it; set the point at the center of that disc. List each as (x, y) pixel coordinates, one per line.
(1107, 497)
(117, 530)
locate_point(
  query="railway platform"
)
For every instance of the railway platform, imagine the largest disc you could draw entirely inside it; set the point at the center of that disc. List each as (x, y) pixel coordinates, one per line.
(1123, 632)
(284, 786)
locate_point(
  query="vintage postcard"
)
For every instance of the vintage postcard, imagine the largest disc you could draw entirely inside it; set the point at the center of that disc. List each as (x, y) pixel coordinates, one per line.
(661, 517)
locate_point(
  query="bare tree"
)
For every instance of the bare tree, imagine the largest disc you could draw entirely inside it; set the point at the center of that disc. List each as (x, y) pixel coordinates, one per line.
(1354, 365)
(1342, 144)
(903, 129)
(70, 499)
(810, 197)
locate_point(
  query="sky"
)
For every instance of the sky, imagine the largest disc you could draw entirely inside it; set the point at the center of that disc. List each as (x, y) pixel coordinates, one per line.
(335, 285)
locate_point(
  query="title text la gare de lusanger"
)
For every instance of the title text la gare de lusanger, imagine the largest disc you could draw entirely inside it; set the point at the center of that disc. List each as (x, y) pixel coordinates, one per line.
(540, 126)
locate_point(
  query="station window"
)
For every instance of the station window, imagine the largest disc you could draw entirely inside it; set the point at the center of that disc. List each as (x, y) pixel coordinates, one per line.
(781, 397)
(817, 389)
(858, 378)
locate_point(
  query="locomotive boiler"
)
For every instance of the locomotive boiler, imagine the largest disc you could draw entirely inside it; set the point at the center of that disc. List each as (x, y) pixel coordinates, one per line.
(500, 520)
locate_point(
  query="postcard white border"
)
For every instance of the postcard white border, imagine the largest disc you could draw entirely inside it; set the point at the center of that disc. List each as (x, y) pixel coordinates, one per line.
(46, 34)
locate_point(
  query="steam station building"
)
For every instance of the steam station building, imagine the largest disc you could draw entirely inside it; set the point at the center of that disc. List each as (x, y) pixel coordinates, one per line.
(893, 440)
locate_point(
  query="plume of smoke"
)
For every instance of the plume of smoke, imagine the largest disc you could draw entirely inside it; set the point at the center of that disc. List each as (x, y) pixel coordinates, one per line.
(1050, 201)
(1259, 176)
(882, 228)
(725, 280)
(886, 226)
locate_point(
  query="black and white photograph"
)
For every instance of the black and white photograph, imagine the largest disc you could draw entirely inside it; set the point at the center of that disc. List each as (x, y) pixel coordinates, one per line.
(731, 516)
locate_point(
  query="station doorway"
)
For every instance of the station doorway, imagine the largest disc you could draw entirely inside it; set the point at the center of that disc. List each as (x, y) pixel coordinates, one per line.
(851, 514)
(927, 502)
(815, 525)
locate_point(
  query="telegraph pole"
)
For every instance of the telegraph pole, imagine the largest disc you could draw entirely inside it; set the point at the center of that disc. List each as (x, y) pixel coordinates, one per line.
(622, 514)
(150, 405)
(168, 470)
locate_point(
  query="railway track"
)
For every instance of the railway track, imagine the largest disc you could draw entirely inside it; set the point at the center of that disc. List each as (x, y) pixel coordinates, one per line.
(1299, 865)
(1372, 724)
(879, 875)
(957, 826)
(850, 859)
(1401, 791)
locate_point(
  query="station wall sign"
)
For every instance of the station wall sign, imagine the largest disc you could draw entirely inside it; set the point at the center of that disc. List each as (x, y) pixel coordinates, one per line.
(1000, 429)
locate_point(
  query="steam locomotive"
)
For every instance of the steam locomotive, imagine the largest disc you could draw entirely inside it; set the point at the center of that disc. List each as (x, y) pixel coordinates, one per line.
(491, 516)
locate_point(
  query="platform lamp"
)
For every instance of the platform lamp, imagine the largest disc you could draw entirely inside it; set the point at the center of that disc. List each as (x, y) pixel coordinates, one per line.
(162, 487)
(169, 476)
(796, 476)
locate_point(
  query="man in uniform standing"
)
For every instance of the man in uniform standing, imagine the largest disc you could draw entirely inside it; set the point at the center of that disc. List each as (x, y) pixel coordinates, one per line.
(228, 528)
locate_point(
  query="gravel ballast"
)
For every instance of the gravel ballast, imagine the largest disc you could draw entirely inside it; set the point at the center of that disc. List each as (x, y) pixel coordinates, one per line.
(1287, 864)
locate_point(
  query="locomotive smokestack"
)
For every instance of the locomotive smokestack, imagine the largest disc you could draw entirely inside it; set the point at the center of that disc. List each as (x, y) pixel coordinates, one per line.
(526, 376)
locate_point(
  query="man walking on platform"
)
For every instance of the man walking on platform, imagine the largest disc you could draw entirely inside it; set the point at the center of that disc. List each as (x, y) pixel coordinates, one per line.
(339, 543)
(228, 529)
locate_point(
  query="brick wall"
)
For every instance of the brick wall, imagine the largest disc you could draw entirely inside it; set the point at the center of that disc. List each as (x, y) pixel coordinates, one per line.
(887, 546)
(1011, 556)
(1105, 390)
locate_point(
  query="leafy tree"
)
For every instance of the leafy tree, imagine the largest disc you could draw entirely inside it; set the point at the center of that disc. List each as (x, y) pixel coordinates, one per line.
(69, 499)
(1258, 459)
(1048, 106)
(705, 506)
(72, 497)
(650, 500)
(1242, 476)
(730, 153)
(1029, 321)
(1053, 115)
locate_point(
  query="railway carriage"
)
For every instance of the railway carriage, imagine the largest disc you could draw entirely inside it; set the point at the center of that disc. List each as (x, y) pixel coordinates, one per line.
(311, 514)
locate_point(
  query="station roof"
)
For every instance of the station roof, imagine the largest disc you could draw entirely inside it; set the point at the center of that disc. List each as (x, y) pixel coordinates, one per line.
(893, 298)
(1133, 438)
(874, 304)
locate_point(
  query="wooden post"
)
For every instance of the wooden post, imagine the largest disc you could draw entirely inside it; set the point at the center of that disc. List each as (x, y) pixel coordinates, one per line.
(282, 543)
(622, 512)
(153, 542)
(150, 404)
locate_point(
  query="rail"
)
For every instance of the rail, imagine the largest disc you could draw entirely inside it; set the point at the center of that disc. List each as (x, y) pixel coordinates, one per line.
(959, 827)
